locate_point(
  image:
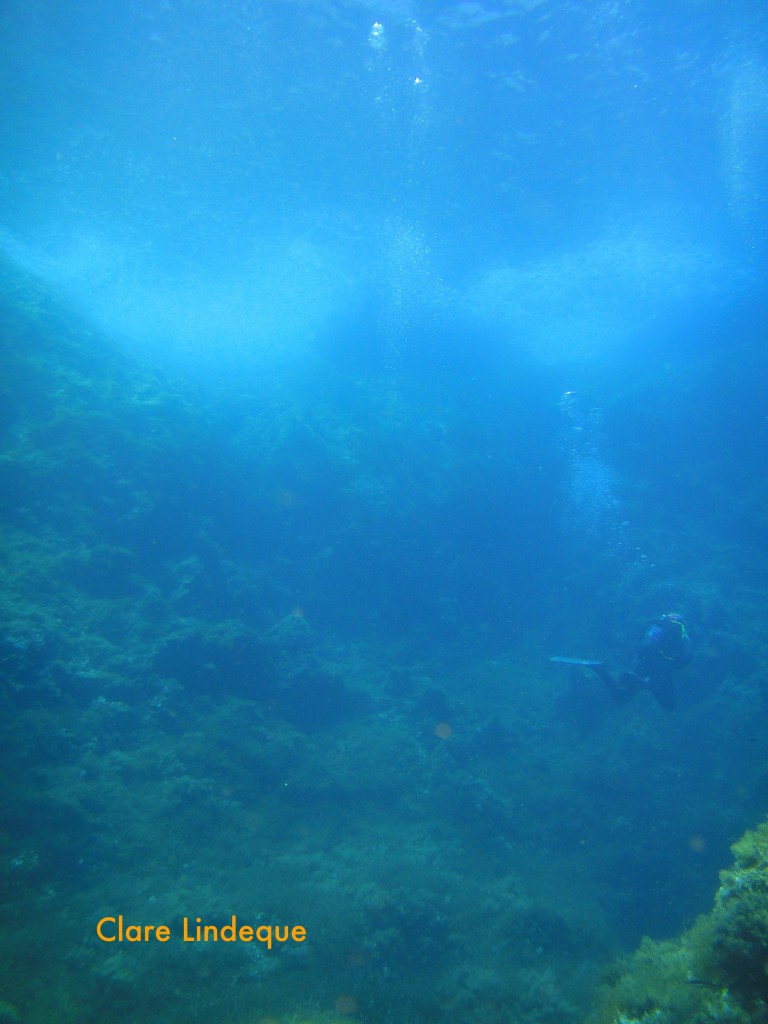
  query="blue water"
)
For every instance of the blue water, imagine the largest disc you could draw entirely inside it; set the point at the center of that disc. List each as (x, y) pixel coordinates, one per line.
(359, 358)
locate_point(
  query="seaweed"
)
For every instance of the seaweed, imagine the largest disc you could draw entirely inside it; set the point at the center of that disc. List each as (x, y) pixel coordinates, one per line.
(715, 971)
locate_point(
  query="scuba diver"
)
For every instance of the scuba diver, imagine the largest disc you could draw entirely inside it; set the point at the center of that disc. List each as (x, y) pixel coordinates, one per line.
(664, 648)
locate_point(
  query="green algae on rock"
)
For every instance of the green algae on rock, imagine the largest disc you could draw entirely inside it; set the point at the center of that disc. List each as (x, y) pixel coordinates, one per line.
(717, 970)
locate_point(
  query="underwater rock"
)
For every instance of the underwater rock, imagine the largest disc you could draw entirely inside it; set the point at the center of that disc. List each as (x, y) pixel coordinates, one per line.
(313, 698)
(24, 661)
(217, 661)
(8, 1013)
(717, 970)
(740, 918)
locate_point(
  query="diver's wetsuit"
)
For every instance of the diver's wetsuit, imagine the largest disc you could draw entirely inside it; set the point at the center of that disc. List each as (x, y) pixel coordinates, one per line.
(665, 647)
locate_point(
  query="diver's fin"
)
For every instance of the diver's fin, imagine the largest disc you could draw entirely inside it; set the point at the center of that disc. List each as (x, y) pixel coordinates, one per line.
(586, 662)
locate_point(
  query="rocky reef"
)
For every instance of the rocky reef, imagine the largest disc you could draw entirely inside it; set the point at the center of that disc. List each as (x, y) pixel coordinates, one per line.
(280, 650)
(715, 971)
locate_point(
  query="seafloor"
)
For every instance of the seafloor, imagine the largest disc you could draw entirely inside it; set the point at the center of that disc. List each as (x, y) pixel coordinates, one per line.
(265, 652)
